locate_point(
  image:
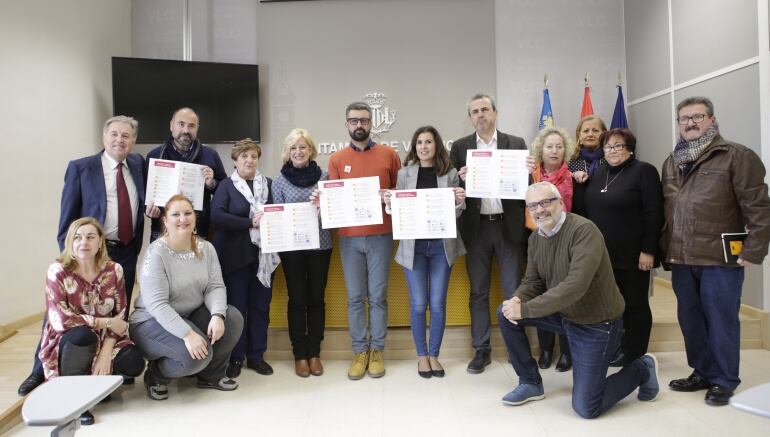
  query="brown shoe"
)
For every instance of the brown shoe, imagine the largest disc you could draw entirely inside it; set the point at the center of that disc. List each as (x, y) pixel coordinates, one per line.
(301, 368)
(316, 368)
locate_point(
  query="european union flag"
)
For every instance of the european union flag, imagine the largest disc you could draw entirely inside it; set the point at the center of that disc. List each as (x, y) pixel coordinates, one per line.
(546, 115)
(619, 116)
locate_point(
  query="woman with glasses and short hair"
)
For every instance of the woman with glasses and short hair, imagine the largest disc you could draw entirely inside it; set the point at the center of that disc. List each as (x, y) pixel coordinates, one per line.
(624, 198)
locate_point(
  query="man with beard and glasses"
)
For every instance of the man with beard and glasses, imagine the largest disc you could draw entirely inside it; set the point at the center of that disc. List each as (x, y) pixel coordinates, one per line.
(569, 289)
(366, 251)
(489, 227)
(711, 186)
(183, 145)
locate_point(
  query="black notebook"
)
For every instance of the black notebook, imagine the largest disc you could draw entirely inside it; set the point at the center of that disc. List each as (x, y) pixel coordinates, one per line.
(732, 246)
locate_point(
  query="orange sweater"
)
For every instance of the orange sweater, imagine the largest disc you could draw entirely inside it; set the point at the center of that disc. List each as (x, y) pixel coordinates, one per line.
(381, 161)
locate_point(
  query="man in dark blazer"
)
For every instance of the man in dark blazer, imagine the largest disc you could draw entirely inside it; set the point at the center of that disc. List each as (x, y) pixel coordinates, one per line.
(183, 145)
(489, 227)
(92, 189)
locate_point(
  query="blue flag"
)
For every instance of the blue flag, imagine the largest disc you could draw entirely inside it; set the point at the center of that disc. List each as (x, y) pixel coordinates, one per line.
(546, 115)
(619, 116)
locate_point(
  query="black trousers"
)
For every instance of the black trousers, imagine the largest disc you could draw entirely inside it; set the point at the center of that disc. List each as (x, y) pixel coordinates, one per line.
(637, 318)
(491, 241)
(128, 361)
(306, 272)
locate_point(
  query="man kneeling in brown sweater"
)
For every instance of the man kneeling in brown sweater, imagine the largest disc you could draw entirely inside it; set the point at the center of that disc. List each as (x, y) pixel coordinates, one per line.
(569, 289)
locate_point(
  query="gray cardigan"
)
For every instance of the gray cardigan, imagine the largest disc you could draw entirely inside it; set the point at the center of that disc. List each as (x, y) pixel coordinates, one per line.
(453, 247)
(174, 284)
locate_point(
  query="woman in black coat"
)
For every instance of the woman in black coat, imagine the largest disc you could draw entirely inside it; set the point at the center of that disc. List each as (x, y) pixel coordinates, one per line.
(624, 199)
(247, 272)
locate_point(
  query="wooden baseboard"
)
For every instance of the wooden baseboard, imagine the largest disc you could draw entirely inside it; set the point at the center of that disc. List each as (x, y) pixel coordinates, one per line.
(11, 416)
(8, 330)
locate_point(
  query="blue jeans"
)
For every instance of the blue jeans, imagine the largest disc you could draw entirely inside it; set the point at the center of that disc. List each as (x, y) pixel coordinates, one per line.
(592, 347)
(708, 301)
(428, 278)
(366, 263)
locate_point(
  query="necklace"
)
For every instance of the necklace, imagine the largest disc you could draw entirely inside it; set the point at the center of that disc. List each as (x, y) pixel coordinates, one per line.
(606, 179)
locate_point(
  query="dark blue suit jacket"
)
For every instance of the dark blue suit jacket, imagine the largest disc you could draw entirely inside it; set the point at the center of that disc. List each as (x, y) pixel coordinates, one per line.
(84, 194)
(230, 214)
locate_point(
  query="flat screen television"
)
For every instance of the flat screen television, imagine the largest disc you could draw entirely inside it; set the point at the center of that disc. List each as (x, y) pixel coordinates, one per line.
(225, 97)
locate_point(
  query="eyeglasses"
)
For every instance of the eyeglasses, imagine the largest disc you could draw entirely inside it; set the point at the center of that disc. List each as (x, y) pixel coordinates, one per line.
(545, 203)
(614, 147)
(361, 121)
(697, 118)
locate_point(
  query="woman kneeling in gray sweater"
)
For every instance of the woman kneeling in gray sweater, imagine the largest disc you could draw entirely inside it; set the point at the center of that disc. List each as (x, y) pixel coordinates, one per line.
(182, 323)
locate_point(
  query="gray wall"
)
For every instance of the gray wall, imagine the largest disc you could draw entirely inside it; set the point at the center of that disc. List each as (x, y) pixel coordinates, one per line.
(316, 57)
(564, 39)
(695, 54)
(55, 93)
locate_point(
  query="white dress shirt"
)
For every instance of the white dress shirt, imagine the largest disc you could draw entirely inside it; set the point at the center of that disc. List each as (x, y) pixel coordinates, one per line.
(489, 205)
(110, 171)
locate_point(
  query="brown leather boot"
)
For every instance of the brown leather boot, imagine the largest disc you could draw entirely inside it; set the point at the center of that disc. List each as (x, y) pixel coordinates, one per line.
(301, 368)
(316, 368)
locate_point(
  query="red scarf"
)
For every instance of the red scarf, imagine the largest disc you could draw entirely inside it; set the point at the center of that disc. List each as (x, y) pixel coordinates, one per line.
(562, 179)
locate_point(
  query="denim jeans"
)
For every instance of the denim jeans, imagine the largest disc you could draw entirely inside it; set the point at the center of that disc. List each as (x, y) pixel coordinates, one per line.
(428, 279)
(592, 347)
(169, 356)
(366, 263)
(708, 301)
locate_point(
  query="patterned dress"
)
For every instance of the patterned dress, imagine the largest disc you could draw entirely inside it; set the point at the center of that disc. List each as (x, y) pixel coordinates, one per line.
(71, 301)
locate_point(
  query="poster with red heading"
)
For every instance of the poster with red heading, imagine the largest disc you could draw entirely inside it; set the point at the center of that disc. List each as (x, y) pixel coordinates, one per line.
(497, 174)
(288, 226)
(350, 202)
(424, 213)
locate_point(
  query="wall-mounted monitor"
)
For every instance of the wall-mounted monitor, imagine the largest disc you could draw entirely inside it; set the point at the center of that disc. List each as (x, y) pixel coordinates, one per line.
(225, 97)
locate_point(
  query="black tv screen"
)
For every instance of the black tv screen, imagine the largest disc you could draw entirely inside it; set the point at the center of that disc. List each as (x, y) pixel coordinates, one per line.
(225, 97)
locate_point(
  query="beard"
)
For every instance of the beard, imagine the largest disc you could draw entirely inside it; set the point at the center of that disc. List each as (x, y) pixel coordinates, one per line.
(359, 134)
(184, 140)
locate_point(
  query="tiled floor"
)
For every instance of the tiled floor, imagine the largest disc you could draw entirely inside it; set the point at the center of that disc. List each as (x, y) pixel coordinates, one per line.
(402, 404)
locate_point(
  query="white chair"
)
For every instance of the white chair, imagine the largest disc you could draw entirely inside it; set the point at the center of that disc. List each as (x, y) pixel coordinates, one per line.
(755, 400)
(60, 401)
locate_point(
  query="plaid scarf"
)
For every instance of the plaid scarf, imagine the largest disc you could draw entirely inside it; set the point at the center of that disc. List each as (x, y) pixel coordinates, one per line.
(686, 152)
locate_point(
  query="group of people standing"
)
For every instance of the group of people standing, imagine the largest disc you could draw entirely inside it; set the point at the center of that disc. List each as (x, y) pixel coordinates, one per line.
(574, 258)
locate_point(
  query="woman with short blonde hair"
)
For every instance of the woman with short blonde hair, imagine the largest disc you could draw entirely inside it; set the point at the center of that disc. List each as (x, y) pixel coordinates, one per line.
(306, 271)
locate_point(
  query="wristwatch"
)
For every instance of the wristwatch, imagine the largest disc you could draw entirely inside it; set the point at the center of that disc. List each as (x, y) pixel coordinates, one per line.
(108, 324)
(221, 316)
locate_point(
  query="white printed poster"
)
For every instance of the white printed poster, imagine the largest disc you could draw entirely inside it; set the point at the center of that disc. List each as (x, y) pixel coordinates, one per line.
(497, 174)
(289, 226)
(424, 213)
(350, 202)
(166, 179)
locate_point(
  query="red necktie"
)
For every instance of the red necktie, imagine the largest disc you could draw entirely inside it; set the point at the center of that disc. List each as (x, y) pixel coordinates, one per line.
(125, 225)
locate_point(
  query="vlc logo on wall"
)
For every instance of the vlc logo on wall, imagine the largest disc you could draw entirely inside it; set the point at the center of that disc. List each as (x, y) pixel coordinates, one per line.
(382, 116)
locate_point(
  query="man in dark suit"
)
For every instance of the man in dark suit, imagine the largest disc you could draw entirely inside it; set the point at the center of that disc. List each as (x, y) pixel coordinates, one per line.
(100, 186)
(183, 145)
(489, 227)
